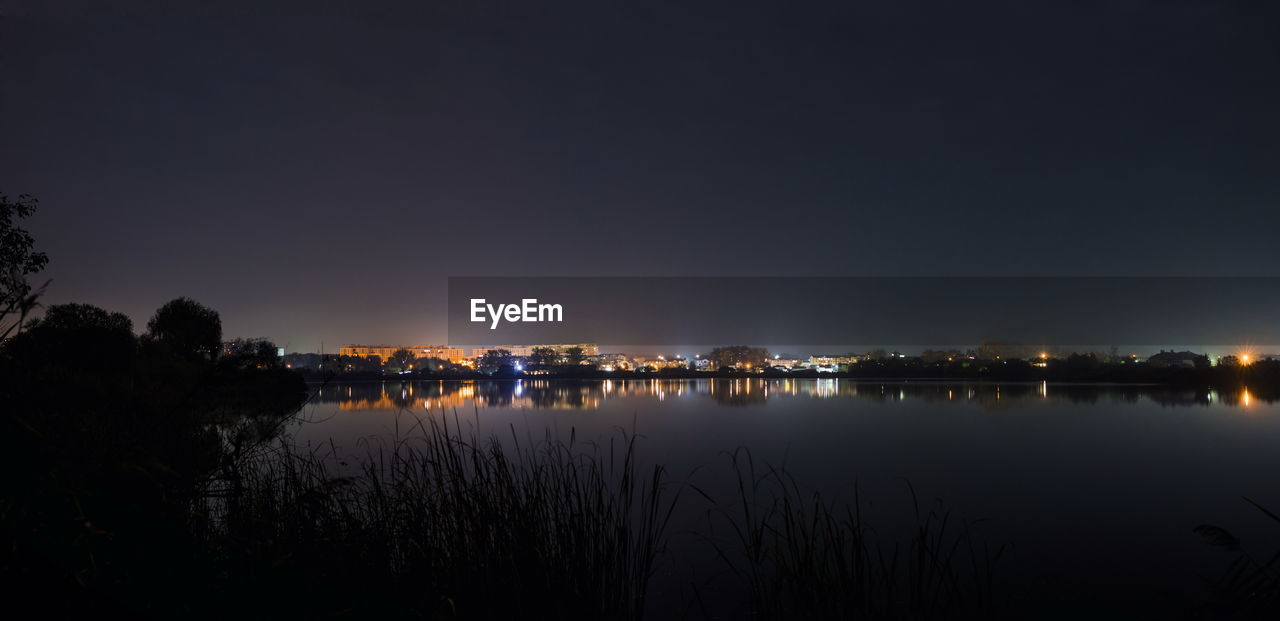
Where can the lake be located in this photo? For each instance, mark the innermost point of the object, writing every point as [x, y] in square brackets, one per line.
[1094, 489]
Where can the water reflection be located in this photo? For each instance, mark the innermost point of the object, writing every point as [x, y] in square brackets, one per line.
[587, 395]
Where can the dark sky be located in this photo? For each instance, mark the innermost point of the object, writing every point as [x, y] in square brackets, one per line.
[318, 173]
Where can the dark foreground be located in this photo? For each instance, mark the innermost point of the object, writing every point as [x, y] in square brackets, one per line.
[167, 488]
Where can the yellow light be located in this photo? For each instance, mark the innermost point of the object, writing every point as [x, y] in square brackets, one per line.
[1245, 355]
[1043, 355]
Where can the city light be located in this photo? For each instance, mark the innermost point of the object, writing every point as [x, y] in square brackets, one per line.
[1246, 355]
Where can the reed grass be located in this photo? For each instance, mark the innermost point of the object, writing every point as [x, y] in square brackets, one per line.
[1250, 586]
[803, 556]
[447, 524]
[441, 523]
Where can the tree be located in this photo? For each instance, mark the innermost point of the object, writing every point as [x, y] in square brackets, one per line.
[17, 261]
[353, 364]
[574, 355]
[739, 356]
[188, 328]
[494, 359]
[67, 332]
[85, 316]
[542, 356]
[430, 363]
[400, 359]
[940, 355]
[258, 352]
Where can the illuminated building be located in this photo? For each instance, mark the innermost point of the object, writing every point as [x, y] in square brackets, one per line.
[660, 362]
[524, 351]
[834, 362]
[451, 354]
[611, 362]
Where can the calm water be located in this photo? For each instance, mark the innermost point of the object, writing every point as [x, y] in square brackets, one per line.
[1097, 488]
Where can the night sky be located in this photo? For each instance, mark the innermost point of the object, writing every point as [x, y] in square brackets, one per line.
[317, 174]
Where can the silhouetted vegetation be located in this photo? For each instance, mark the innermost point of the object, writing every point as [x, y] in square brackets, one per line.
[739, 356]
[805, 557]
[496, 361]
[108, 440]
[445, 525]
[145, 475]
[1250, 586]
[109, 477]
[542, 357]
[18, 259]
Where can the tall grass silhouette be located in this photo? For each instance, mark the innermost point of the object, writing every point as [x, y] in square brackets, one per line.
[444, 523]
[805, 557]
[450, 524]
[1250, 586]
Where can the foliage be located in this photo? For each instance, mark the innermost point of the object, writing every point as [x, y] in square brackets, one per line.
[399, 360]
[101, 485]
[804, 557]
[258, 353]
[445, 524]
[431, 364]
[495, 360]
[739, 356]
[542, 356]
[17, 261]
[188, 328]
[1250, 586]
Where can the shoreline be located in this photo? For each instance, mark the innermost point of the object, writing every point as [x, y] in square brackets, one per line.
[1262, 377]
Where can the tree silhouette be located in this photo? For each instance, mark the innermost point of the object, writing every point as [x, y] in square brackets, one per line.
[739, 356]
[542, 356]
[17, 261]
[257, 352]
[494, 359]
[188, 328]
[430, 363]
[81, 316]
[55, 345]
[574, 355]
[400, 359]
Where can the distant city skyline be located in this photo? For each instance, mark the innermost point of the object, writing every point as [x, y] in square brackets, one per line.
[806, 351]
